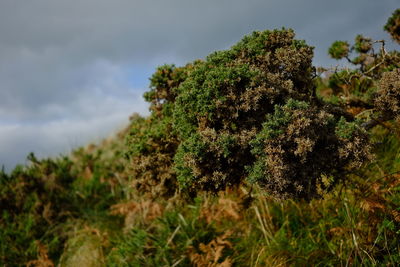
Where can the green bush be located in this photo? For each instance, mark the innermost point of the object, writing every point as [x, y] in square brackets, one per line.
[152, 146]
[32, 200]
[223, 102]
[227, 99]
[152, 141]
[393, 25]
[355, 88]
[303, 151]
[362, 44]
[38, 201]
[339, 50]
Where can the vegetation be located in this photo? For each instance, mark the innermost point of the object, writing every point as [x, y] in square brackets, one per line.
[393, 25]
[248, 158]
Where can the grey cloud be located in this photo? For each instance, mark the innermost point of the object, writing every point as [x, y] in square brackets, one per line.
[144, 30]
[54, 137]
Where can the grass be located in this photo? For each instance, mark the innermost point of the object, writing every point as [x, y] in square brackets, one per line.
[81, 210]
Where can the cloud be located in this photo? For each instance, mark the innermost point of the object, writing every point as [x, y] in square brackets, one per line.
[55, 137]
[71, 64]
[100, 110]
[96, 104]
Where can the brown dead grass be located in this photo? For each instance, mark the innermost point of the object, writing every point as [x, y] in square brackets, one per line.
[211, 254]
[224, 209]
[144, 211]
[43, 258]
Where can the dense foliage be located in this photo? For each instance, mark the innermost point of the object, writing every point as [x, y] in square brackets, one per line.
[387, 99]
[212, 114]
[393, 25]
[302, 151]
[304, 169]
[225, 99]
[152, 142]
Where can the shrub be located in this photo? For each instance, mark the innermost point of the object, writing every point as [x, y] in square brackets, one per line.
[32, 201]
[162, 86]
[152, 142]
[393, 25]
[356, 88]
[362, 44]
[151, 150]
[339, 50]
[225, 103]
[388, 95]
[38, 202]
[303, 150]
[368, 61]
[222, 104]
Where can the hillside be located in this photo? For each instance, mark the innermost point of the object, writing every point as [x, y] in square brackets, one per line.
[250, 157]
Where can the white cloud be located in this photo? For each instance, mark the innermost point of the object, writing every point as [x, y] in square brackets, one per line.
[103, 116]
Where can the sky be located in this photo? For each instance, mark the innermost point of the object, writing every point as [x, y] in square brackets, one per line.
[72, 72]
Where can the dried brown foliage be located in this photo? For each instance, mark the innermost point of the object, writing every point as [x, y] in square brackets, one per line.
[145, 211]
[375, 198]
[224, 209]
[43, 258]
[211, 254]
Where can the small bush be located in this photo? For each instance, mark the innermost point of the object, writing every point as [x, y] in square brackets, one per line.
[362, 44]
[339, 50]
[152, 147]
[152, 142]
[393, 25]
[388, 95]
